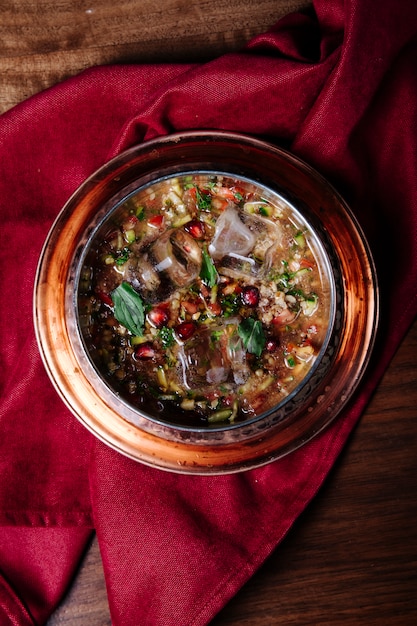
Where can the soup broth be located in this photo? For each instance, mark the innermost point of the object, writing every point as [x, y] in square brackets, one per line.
[204, 299]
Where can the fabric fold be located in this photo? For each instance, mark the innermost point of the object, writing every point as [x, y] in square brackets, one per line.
[37, 567]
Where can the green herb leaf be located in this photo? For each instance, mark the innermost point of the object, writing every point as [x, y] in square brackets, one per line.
[208, 271]
[252, 335]
[128, 308]
[123, 256]
[203, 200]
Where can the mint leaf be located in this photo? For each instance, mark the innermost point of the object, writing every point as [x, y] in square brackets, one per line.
[208, 271]
[128, 308]
[252, 335]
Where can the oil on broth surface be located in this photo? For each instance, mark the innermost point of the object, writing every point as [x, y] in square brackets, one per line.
[204, 299]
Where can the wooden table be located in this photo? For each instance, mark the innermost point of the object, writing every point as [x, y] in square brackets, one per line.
[352, 556]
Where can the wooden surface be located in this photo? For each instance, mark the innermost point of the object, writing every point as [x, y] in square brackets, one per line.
[352, 556]
[44, 41]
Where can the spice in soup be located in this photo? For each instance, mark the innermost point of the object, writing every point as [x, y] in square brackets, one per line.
[203, 300]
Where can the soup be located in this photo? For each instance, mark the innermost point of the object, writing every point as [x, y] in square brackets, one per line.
[204, 299]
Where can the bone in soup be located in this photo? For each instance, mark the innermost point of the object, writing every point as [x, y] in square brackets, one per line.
[204, 299]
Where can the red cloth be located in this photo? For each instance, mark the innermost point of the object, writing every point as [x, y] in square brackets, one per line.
[339, 88]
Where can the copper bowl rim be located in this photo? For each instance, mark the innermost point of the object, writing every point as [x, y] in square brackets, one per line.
[70, 374]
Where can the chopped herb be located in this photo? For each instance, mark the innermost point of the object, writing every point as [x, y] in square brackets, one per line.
[166, 335]
[297, 293]
[122, 257]
[208, 271]
[290, 361]
[231, 304]
[128, 308]
[252, 335]
[203, 200]
[283, 282]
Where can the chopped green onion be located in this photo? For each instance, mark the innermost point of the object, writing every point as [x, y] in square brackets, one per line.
[220, 416]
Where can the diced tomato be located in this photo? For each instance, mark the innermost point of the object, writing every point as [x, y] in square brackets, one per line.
[220, 204]
[225, 192]
[156, 221]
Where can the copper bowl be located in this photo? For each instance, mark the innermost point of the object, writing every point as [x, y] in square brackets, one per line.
[317, 400]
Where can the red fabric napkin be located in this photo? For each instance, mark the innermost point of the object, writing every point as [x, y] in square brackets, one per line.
[338, 86]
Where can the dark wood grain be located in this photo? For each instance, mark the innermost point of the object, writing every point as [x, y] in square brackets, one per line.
[352, 556]
[43, 42]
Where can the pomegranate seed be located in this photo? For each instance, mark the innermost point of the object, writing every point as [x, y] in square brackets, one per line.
[272, 345]
[158, 316]
[250, 295]
[185, 330]
[195, 228]
[145, 351]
